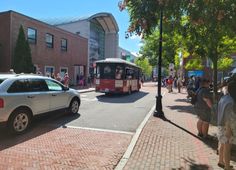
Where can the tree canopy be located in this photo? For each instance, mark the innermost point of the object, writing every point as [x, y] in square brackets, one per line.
[144, 64]
[207, 26]
[151, 45]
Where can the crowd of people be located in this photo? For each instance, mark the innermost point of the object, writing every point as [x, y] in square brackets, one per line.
[204, 107]
[63, 79]
[224, 106]
[174, 82]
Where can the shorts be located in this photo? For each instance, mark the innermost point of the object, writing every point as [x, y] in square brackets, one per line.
[233, 129]
[221, 135]
[203, 115]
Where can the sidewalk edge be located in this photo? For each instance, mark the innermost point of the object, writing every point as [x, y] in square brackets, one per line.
[134, 140]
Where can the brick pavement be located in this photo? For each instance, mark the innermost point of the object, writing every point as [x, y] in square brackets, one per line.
[47, 147]
[173, 144]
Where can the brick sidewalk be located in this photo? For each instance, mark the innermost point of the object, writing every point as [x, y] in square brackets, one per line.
[173, 144]
[47, 147]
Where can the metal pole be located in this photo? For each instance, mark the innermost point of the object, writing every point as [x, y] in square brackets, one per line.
[158, 112]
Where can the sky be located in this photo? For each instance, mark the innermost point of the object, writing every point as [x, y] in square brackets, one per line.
[49, 9]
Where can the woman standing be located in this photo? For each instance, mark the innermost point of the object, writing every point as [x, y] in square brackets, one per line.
[66, 80]
[230, 125]
[203, 107]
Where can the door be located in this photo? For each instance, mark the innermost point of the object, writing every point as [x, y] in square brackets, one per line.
[58, 97]
[32, 93]
[39, 95]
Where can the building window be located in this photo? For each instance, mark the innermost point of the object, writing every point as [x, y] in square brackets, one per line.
[49, 70]
[32, 35]
[49, 40]
[63, 70]
[63, 44]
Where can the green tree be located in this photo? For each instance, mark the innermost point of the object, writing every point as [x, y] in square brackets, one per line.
[211, 30]
[22, 61]
[225, 63]
[209, 24]
[150, 48]
[194, 64]
[144, 64]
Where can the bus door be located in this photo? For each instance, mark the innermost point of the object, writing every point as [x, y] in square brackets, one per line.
[119, 76]
[128, 79]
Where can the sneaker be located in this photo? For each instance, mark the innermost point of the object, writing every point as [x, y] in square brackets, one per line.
[200, 135]
[221, 165]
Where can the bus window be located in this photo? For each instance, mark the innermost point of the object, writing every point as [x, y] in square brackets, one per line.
[129, 73]
[98, 72]
[119, 72]
[108, 72]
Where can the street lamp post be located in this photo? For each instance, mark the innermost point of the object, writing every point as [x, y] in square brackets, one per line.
[158, 111]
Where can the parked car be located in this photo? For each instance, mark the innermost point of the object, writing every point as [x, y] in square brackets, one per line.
[24, 96]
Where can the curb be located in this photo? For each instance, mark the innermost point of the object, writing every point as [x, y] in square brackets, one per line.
[134, 140]
[86, 90]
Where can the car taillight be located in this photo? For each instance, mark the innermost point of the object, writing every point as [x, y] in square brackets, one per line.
[1, 103]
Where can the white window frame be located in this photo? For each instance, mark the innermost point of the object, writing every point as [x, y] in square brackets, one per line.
[66, 68]
[45, 69]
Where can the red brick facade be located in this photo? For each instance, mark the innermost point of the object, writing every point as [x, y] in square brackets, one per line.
[42, 56]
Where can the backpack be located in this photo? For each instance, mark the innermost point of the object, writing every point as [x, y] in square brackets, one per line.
[194, 97]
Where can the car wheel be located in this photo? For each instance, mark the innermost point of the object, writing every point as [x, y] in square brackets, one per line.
[19, 121]
[74, 106]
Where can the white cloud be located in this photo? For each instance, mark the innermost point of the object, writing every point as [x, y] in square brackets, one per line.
[135, 37]
[140, 44]
[136, 54]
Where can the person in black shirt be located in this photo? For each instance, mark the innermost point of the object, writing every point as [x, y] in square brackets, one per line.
[203, 107]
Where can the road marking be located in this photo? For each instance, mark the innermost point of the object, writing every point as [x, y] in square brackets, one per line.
[164, 93]
[96, 129]
[89, 100]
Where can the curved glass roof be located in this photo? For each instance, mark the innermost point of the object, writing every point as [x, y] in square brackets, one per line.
[106, 20]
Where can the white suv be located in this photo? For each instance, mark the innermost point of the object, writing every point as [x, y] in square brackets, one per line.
[24, 96]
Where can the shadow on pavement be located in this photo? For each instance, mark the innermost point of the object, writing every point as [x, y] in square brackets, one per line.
[182, 100]
[192, 134]
[40, 125]
[184, 109]
[211, 141]
[121, 98]
[194, 166]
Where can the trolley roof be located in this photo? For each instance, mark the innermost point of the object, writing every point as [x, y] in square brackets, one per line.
[116, 60]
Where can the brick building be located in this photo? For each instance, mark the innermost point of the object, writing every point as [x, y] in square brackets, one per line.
[101, 30]
[52, 49]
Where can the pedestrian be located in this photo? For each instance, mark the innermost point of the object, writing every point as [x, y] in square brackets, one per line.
[66, 80]
[170, 84]
[203, 107]
[191, 86]
[142, 81]
[53, 75]
[230, 125]
[179, 84]
[58, 77]
[222, 115]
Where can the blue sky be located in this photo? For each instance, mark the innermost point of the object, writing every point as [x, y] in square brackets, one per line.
[43, 9]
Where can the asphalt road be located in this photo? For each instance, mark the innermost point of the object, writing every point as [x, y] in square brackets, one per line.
[110, 112]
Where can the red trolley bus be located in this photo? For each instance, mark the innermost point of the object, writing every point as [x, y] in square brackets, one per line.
[114, 75]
